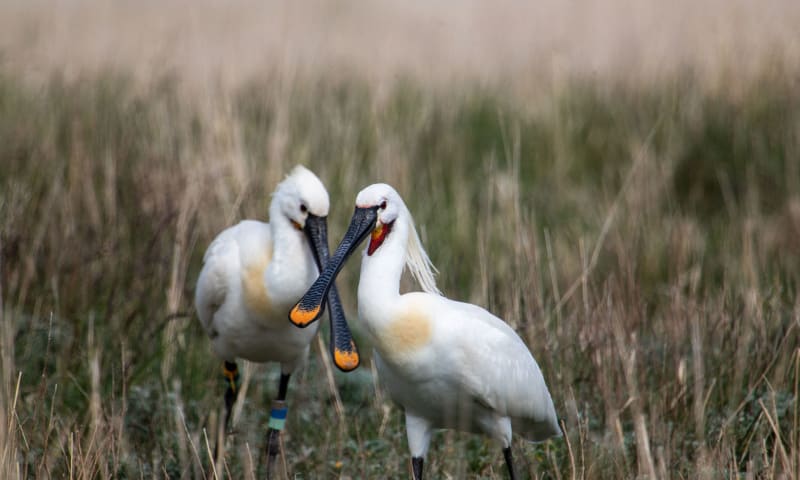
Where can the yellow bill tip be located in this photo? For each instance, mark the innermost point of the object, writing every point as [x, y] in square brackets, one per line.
[301, 317]
[346, 361]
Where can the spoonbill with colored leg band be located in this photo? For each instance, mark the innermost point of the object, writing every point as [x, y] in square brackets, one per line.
[253, 273]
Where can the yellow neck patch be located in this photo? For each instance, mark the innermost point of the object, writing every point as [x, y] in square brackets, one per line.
[255, 292]
[409, 331]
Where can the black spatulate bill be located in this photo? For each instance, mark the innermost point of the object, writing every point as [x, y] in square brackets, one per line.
[342, 347]
[311, 306]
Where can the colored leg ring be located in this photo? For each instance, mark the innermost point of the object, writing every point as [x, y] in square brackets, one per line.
[277, 416]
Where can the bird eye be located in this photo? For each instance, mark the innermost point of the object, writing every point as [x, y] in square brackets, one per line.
[303, 208]
[383, 205]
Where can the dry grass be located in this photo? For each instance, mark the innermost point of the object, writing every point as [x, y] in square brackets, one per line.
[638, 226]
[526, 46]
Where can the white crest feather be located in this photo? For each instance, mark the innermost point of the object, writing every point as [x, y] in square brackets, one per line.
[418, 262]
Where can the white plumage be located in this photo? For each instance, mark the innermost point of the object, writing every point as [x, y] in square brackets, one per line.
[448, 364]
[252, 274]
[473, 363]
[243, 294]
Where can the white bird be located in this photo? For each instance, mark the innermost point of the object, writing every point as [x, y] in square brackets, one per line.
[253, 273]
[447, 364]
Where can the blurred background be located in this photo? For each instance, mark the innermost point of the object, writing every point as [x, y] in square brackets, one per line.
[619, 180]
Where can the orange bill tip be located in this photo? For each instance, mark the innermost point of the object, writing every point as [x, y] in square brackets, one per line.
[301, 317]
[346, 361]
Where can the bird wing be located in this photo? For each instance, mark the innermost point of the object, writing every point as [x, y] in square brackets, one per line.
[220, 263]
[499, 371]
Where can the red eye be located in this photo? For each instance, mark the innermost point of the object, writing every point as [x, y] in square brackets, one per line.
[383, 205]
[303, 208]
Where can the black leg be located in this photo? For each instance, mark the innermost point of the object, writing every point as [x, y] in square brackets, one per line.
[283, 386]
[416, 466]
[509, 462]
[231, 372]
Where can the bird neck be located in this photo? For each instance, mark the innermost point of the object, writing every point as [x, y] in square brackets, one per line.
[379, 283]
[292, 268]
[287, 240]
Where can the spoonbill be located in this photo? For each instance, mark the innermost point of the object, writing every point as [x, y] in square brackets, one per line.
[253, 273]
[448, 364]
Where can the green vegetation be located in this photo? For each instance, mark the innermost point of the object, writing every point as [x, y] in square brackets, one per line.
[644, 241]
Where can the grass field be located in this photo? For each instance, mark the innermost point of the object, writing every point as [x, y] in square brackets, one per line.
[642, 234]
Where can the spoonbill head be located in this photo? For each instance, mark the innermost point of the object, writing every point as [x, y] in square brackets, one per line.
[253, 273]
[448, 364]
